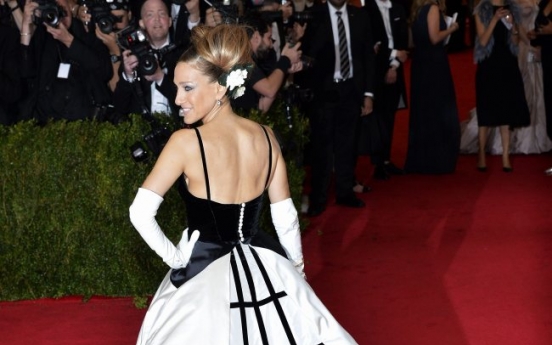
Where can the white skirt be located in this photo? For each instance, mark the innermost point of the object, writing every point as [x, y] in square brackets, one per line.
[249, 296]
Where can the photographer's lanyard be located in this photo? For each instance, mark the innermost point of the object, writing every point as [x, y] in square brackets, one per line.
[63, 70]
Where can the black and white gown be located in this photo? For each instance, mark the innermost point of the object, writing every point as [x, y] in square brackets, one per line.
[238, 288]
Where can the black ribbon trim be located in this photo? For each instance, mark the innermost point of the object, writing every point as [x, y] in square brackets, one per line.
[240, 297]
[249, 277]
[258, 303]
[272, 292]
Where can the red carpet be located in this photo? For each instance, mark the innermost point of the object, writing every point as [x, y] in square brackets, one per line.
[463, 259]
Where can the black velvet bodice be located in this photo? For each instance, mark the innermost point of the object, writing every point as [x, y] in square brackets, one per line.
[218, 222]
[219, 226]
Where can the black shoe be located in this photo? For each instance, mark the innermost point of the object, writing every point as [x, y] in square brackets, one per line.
[507, 169]
[392, 169]
[482, 169]
[350, 202]
[380, 173]
[360, 188]
[315, 210]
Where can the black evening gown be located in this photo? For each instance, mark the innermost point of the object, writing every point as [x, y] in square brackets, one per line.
[499, 91]
[434, 129]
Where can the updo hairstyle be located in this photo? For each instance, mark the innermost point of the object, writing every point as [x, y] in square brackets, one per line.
[216, 50]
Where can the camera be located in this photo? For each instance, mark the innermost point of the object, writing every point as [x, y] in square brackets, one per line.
[100, 12]
[155, 140]
[307, 61]
[302, 17]
[229, 13]
[296, 17]
[292, 95]
[135, 40]
[49, 12]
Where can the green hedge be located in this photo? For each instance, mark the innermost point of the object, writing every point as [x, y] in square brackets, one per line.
[65, 189]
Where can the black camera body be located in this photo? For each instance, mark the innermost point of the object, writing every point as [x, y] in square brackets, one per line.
[295, 95]
[135, 40]
[48, 12]
[302, 17]
[297, 17]
[229, 13]
[100, 12]
[155, 140]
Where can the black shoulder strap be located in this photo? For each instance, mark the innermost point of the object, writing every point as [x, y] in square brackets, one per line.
[207, 186]
[269, 156]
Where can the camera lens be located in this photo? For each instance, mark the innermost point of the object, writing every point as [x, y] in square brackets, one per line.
[50, 17]
[148, 64]
[105, 25]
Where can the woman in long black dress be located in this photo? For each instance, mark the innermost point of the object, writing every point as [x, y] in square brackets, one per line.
[542, 37]
[499, 92]
[434, 133]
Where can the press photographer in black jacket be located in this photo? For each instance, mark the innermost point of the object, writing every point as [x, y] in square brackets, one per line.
[56, 61]
[146, 86]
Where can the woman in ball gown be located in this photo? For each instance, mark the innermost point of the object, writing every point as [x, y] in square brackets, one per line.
[533, 138]
[500, 95]
[434, 129]
[229, 282]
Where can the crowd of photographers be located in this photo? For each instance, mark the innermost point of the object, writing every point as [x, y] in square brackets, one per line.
[106, 59]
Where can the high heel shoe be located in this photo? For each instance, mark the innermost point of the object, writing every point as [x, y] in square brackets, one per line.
[507, 169]
[482, 169]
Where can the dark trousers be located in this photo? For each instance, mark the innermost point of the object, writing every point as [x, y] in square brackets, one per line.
[334, 121]
[385, 107]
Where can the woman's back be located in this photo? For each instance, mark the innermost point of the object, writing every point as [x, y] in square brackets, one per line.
[237, 160]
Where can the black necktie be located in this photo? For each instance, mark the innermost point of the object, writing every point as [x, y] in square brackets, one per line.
[343, 50]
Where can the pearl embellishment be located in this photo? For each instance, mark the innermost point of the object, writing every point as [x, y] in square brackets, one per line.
[240, 222]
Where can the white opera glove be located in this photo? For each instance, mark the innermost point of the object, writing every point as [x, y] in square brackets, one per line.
[286, 222]
[142, 215]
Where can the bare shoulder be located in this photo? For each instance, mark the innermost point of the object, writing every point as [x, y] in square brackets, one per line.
[183, 139]
[273, 138]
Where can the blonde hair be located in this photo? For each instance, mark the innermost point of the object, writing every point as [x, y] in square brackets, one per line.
[216, 50]
[418, 4]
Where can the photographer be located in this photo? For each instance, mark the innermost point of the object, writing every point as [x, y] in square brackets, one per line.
[277, 14]
[146, 85]
[106, 19]
[10, 81]
[263, 85]
[185, 14]
[56, 62]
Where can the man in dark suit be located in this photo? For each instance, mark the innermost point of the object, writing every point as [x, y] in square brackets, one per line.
[185, 16]
[342, 80]
[390, 32]
[153, 92]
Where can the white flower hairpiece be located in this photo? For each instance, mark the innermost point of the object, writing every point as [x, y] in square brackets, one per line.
[235, 79]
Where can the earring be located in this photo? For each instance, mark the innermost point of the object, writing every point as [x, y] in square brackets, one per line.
[219, 102]
[181, 112]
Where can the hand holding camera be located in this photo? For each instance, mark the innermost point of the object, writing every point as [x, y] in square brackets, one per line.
[292, 52]
[60, 33]
[130, 63]
[502, 12]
